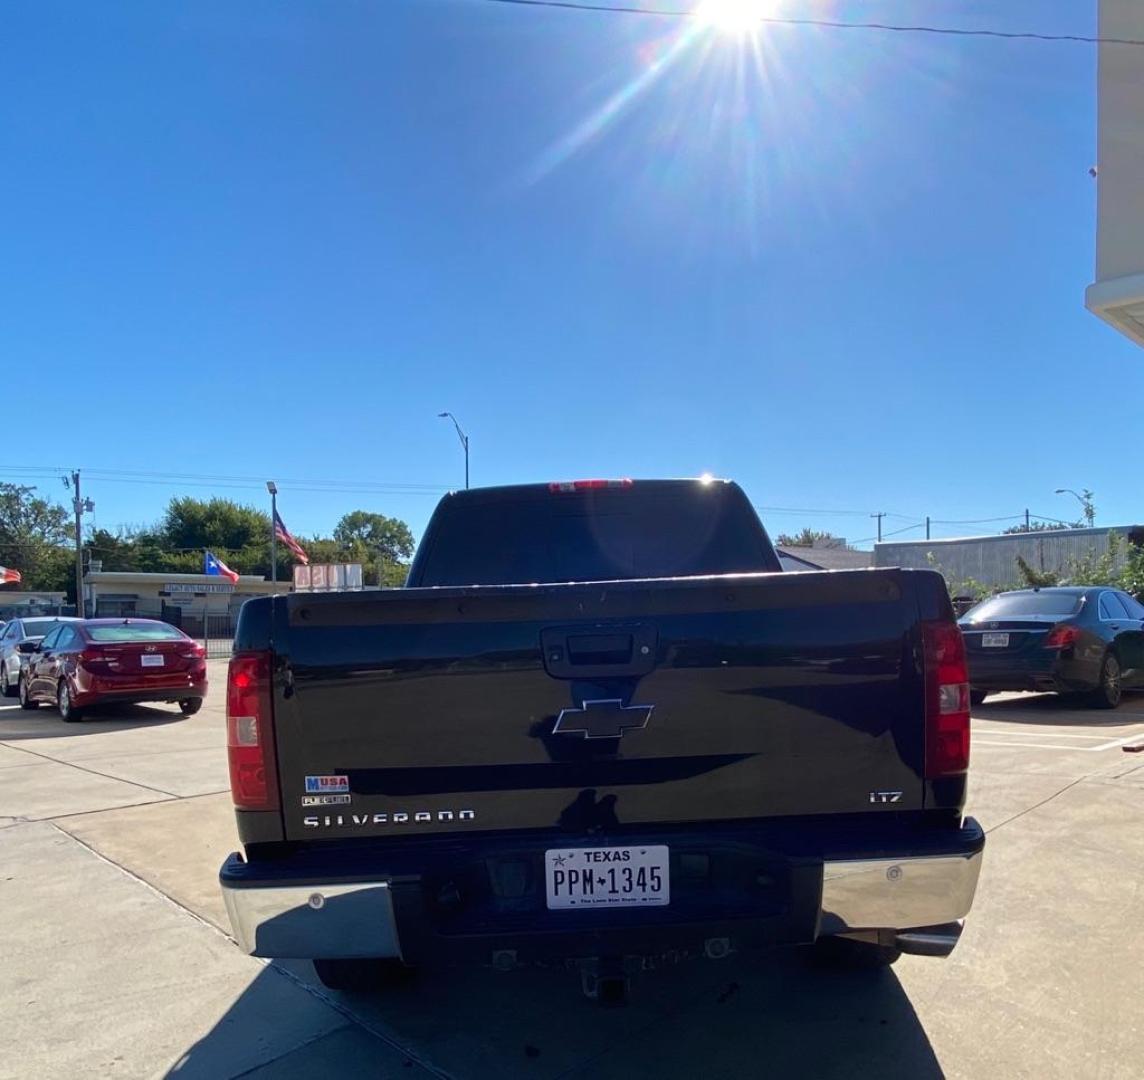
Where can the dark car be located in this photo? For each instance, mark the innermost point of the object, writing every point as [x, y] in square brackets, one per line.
[102, 661]
[1066, 640]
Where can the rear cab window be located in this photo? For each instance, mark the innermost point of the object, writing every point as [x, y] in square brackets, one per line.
[1014, 605]
[651, 529]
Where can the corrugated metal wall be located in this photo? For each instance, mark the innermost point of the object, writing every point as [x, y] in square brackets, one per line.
[992, 560]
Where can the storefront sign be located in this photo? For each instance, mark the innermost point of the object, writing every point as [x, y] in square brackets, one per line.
[213, 587]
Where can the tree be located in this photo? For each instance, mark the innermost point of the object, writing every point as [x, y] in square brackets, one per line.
[1089, 507]
[213, 523]
[33, 538]
[239, 535]
[811, 538]
[379, 542]
[1043, 526]
[1132, 576]
[1036, 579]
[115, 551]
[375, 536]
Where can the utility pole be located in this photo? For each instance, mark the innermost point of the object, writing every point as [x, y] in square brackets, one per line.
[927, 527]
[879, 516]
[80, 506]
[273, 489]
[1026, 519]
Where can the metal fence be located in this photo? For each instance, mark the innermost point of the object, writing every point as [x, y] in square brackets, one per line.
[992, 560]
[218, 636]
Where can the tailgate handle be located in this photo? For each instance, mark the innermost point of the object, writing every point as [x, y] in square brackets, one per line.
[598, 649]
[575, 652]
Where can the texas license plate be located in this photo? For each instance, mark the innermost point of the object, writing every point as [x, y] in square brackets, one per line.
[152, 659]
[607, 877]
[995, 641]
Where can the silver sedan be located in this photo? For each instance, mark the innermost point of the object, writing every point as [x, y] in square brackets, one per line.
[11, 660]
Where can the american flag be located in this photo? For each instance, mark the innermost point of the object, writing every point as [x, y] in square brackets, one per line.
[284, 536]
[9, 577]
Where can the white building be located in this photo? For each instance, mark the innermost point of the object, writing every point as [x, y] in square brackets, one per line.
[1117, 295]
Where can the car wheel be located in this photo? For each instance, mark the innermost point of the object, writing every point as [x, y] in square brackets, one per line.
[1108, 693]
[25, 701]
[68, 712]
[5, 686]
[977, 697]
[846, 954]
[362, 974]
[190, 706]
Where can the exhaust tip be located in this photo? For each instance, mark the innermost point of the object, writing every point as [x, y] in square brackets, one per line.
[929, 940]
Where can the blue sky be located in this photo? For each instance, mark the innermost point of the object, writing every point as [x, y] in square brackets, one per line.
[277, 238]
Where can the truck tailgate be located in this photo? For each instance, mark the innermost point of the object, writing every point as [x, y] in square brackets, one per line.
[585, 706]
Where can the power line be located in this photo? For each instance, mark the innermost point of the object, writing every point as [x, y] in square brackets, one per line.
[832, 24]
[978, 521]
[813, 510]
[908, 528]
[310, 484]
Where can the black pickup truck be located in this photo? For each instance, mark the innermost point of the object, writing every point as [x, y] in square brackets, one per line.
[599, 727]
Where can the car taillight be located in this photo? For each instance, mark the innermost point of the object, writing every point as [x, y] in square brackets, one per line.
[250, 732]
[947, 699]
[587, 485]
[1061, 636]
[95, 660]
[192, 650]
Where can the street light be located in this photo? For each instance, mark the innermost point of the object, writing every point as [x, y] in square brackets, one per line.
[1086, 503]
[273, 489]
[464, 441]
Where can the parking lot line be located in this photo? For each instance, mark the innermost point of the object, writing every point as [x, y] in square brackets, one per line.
[1040, 734]
[1111, 744]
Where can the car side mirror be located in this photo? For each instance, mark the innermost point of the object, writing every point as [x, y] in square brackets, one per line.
[28, 647]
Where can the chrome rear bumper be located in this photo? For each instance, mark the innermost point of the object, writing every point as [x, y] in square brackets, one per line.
[915, 903]
[870, 894]
[308, 921]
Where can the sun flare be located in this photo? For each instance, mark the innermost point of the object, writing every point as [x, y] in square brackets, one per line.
[734, 16]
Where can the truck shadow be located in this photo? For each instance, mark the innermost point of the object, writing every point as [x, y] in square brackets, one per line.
[746, 1016]
[44, 723]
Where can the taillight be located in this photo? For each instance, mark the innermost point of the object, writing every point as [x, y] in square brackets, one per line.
[192, 650]
[588, 485]
[95, 660]
[250, 732]
[947, 699]
[1062, 636]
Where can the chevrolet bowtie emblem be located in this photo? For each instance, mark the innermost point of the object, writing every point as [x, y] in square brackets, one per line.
[602, 719]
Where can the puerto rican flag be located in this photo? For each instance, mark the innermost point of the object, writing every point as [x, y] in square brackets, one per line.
[214, 566]
[284, 536]
[9, 577]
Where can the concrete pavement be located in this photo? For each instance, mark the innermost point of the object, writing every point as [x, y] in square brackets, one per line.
[117, 962]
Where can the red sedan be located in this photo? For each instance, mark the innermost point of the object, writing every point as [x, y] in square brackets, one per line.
[103, 661]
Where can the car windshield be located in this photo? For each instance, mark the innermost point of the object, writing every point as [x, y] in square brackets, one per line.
[35, 629]
[1013, 605]
[134, 632]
